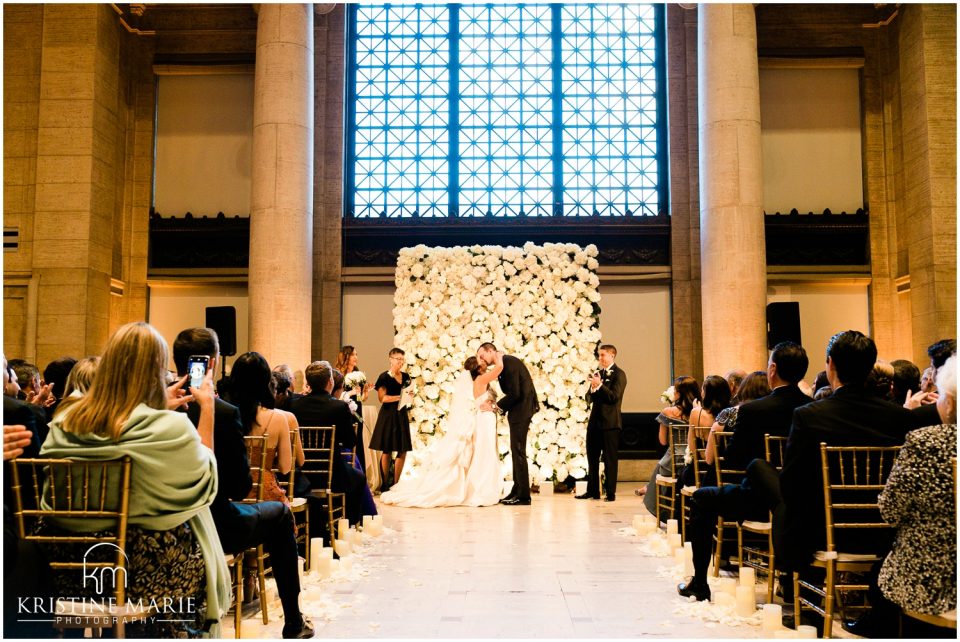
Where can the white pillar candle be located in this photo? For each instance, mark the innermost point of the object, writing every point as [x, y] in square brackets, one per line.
[746, 601]
[673, 541]
[346, 564]
[688, 558]
[316, 550]
[723, 599]
[678, 556]
[334, 566]
[320, 567]
[772, 618]
[786, 634]
[367, 521]
[546, 487]
[300, 564]
[728, 585]
[672, 527]
[343, 548]
[806, 631]
[748, 576]
[343, 526]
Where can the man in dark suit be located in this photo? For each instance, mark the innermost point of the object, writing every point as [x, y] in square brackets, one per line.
[319, 408]
[519, 403]
[851, 416]
[768, 415]
[242, 526]
[603, 428]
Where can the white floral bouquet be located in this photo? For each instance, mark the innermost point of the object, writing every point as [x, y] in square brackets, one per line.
[669, 395]
[355, 379]
[538, 303]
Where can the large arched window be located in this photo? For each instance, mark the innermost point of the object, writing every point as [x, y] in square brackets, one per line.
[483, 110]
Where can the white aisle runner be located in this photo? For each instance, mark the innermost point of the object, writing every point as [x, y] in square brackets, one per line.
[556, 569]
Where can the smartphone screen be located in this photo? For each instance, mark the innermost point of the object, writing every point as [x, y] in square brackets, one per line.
[197, 369]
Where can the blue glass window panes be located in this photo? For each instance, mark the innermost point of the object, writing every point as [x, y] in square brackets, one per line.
[468, 110]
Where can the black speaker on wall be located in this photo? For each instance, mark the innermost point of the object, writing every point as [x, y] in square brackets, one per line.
[223, 321]
[783, 323]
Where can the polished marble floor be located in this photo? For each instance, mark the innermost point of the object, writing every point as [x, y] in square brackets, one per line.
[555, 569]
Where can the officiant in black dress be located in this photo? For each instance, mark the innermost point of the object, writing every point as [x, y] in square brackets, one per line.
[603, 429]
[519, 403]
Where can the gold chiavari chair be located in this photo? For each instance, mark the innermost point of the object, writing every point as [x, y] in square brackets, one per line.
[853, 478]
[666, 485]
[80, 490]
[298, 505]
[257, 454]
[759, 555]
[700, 468]
[319, 450]
[725, 476]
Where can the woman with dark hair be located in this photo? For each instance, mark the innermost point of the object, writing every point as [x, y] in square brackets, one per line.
[463, 467]
[251, 385]
[347, 365]
[754, 386]
[716, 398]
[686, 395]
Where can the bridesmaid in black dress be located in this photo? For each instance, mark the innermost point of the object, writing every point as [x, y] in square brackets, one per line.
[392, 432]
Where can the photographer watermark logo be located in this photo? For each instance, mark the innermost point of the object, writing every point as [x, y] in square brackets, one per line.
[98, 575]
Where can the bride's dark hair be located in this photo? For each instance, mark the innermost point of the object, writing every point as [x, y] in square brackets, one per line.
[472, 365]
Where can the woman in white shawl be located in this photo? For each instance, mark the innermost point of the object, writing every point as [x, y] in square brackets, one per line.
[463, 467]
[172, 544]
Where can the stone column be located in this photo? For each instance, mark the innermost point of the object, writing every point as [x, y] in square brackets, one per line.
[281, 216]
[732, 252]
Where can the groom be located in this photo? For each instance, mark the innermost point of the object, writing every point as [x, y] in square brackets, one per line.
[519, 403]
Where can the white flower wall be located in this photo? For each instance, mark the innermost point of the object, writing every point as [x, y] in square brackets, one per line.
[538, 303]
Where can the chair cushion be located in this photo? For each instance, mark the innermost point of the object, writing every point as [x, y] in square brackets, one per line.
[298, 502]
[758, 527]
[666, 480]
[688, 490]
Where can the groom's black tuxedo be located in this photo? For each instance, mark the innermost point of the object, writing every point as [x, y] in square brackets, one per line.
[603, 430]
[519, 402]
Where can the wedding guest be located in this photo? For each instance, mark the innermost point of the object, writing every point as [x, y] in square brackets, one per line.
[55, 375]
[770, 414]
[392, 432]
[347, 364]
[822, 393]
[369, 506]
[939, 352]
[28, 377]
[81, 377]
[754, 386]
[927, 381]
[820, 380]
[35, 404]
[715, 395]
[603, 428]
[906, 379]
[687, 392]
[172, 546]
[920, 572]
[734, 379]
[240, 525]
[284, 393]
[880, 380]
[250, 380]
[319, 408]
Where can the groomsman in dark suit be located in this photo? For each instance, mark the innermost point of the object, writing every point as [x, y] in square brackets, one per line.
[519, 403]
[603, 429]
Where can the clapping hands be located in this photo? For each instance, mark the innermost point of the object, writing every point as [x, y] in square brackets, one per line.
[15, 439]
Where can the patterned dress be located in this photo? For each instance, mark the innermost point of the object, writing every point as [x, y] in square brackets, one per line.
[920, 573]
[162, 564]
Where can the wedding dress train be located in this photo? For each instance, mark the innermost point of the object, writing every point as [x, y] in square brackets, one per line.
[463, 467]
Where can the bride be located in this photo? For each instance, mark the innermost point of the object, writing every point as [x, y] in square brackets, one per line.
[463, 467]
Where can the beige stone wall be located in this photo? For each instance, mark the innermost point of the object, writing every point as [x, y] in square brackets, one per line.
[67, 119]
[328, 181]
[928, 102]
[684, 191]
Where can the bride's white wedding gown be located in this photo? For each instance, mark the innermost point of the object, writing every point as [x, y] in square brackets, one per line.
[463, 467]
